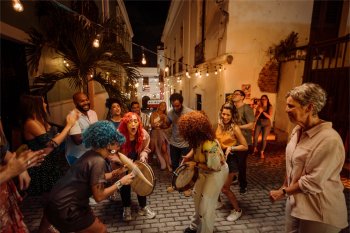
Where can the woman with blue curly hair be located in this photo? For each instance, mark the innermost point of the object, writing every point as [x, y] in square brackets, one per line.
[68, 207]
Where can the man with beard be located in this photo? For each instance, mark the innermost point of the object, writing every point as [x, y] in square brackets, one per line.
[74, 147]
[178, 145]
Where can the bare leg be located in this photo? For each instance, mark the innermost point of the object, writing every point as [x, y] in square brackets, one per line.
[227, 191]
[164, 152]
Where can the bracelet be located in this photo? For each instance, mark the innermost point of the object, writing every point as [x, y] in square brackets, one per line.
[119, 184]
[52, 144]
[232, 148]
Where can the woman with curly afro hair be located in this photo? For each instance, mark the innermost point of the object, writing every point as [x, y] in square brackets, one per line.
[68, 207]
[136, 147]
[207, 155]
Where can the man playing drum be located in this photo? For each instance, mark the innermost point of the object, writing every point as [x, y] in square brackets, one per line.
[136, 147]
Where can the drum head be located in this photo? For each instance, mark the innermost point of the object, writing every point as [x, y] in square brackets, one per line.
[184, 177]
[139, 186]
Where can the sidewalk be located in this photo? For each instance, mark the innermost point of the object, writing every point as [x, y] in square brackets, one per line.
[174, 210]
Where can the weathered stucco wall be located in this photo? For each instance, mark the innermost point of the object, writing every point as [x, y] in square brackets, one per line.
[291, 76]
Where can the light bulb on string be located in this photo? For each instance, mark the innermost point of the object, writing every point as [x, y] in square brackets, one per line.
[220, 68]
[216, 71]
[207, 74]
[96, 42]
[143, 60]
[17, 5]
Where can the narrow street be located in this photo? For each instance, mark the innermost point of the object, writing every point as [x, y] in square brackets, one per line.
[174, 209]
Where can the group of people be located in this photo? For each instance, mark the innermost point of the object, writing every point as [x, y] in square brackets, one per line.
[314, 158]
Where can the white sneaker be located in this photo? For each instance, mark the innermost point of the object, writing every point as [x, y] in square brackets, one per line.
[219, 205]
[127, 214]
[92, 201]
[234, 215]
[147, 211]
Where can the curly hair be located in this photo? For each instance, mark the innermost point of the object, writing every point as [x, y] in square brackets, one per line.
[123, 128]
[100, 134]
[196, 128]
[235, 117]
[109, 103]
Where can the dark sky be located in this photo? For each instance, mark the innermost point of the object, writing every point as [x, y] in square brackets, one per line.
[147, 20]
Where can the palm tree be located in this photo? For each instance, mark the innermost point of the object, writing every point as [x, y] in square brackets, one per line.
[71, 35]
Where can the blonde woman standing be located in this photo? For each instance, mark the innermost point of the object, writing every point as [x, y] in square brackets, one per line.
[231, 139]
[159, 140]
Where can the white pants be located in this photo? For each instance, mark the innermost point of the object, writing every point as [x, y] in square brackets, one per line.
[206, 192]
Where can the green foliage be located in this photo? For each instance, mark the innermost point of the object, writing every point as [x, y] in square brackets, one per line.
[286, 48]
[70, 36]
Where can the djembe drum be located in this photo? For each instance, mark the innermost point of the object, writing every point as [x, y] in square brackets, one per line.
[139, 186]
[184, 177]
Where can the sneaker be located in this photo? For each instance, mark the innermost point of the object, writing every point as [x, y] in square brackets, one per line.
[147, 211]
[189, 230]
[234, 215]
[243, 191]
[219, 205]
[127, 214]
[92, 201]
[188, 193]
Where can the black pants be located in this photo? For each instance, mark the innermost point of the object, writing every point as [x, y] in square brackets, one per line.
[242, 167]
[176, 154]
[125, 194]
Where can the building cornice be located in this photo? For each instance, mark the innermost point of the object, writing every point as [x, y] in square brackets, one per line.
[173, 13]
[126, 17]
[13, 33]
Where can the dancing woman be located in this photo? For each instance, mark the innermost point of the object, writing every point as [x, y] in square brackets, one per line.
[159, 140]
[213, 170]
[39, 134]
[68, 207]
[231, 139]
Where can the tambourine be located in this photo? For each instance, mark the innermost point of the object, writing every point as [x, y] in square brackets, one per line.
[184, 177]
[139, 185]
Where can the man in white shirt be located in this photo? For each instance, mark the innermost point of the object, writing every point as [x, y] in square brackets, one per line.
[74, 147]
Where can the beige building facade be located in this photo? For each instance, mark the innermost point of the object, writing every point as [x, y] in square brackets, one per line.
[224, 45]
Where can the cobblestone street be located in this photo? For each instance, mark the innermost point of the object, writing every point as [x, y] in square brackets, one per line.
[174, 209]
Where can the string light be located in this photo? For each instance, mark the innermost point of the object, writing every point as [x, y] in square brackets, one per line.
[166, 69]
[97, 41]
[143, 61]
[17, 5]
